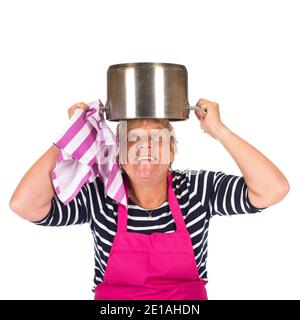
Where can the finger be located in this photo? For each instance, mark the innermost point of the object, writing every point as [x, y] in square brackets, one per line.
[71, 110]
[201, 101]
[80, 105]
[199, 115]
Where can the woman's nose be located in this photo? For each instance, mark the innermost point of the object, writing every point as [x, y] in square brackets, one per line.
[144, 143]
[144, 146]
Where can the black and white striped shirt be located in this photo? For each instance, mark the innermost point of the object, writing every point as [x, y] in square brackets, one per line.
[201, 195]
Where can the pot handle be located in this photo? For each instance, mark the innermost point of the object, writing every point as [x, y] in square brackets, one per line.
[198, 108]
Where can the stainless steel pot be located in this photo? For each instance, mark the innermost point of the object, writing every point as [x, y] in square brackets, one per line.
[147, 90]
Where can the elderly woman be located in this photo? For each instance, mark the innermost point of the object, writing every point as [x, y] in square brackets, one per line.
[157, 248]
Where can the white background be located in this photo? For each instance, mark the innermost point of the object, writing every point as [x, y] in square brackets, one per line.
[242, 54]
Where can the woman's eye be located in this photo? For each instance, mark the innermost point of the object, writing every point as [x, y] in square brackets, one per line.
[132, 138]
[155, 137]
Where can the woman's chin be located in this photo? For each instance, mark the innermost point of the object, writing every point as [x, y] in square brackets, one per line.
[146, 171]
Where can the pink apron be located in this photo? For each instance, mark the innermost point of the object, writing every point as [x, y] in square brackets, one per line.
[159, 266]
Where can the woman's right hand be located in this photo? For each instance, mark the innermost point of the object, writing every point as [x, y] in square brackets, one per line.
[80, 105]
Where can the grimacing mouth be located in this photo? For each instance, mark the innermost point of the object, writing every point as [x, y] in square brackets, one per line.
[146, 157]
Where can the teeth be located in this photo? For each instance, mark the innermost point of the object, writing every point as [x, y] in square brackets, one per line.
[146, 158]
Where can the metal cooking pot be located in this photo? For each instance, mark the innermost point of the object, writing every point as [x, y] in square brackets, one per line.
[147, 90]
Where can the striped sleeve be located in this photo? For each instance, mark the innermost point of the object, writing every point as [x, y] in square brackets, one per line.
[75, 212]
[229, 196]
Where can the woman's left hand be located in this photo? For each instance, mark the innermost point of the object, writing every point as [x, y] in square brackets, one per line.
[266, 183]
[211, 122]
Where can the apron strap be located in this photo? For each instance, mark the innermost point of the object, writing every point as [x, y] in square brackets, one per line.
[173, 205]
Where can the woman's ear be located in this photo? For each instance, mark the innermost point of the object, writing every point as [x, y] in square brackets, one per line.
[172, 156]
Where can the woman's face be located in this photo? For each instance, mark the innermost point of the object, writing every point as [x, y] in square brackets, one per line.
[148, 153]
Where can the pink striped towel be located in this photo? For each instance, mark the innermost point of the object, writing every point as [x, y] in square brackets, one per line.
[88, 149]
